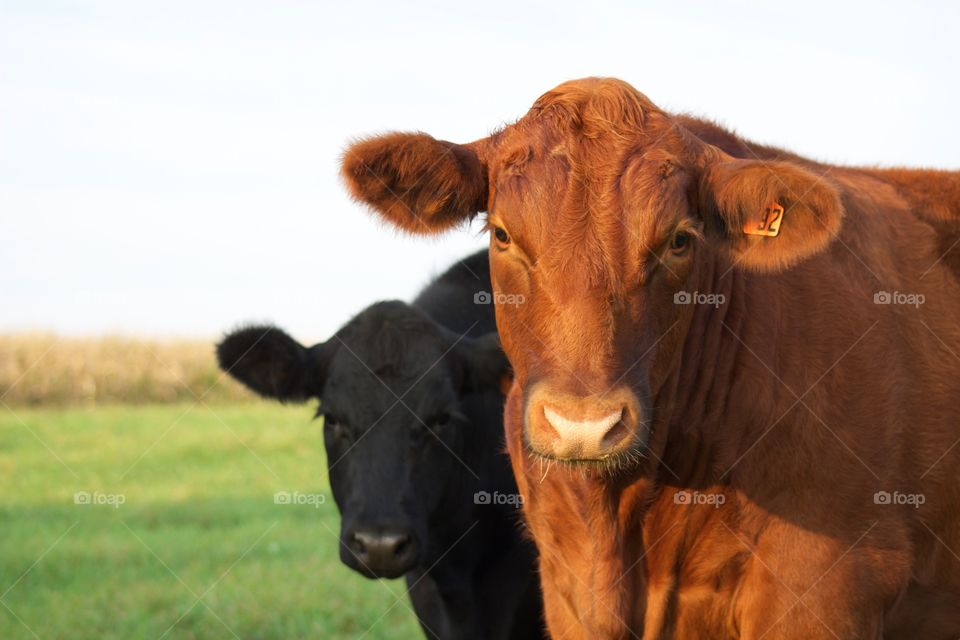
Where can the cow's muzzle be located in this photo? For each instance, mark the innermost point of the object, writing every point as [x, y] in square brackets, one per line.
[582, 428]
[379, 553]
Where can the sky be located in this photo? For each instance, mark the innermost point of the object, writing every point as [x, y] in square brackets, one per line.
[170, 168]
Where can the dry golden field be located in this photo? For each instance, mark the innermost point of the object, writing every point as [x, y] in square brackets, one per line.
[46, 369]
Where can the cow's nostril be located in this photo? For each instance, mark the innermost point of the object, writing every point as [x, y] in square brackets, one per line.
[402, 546]
[356, 543]
[614, 435]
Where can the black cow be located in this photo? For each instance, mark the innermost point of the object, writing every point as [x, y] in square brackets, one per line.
[413, 428]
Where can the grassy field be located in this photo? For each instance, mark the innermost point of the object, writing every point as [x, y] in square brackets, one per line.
[197, 549]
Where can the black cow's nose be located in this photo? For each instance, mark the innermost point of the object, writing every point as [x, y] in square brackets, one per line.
[384, 554]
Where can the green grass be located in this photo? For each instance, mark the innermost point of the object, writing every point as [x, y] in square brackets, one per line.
[198, 549]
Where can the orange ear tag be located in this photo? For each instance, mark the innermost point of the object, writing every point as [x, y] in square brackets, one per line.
[768, 225]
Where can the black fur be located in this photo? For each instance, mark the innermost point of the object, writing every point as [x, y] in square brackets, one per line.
[413, 416]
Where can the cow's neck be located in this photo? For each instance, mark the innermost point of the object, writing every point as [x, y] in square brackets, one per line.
[697, 395]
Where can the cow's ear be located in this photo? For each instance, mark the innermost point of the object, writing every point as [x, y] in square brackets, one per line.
[415, 182]
[482, 363]
[769, 215]
[273, 364]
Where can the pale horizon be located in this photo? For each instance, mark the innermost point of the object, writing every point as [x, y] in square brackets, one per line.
[171, 170]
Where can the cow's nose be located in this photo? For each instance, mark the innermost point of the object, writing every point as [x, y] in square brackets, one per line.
[572, 427]
[382, 554]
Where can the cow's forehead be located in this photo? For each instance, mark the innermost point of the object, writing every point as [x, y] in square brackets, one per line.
[388, 346]
[573, 148]
[365, 385]
[391, 356]
[595, 107]
[592, 121]
[594, 203]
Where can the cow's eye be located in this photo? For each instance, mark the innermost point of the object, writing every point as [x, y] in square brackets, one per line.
[334, 428]
[441, 419]
[502, 237]
[680, 242]
[420, 430]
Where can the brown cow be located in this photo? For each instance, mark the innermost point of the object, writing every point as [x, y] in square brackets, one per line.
[735, 412]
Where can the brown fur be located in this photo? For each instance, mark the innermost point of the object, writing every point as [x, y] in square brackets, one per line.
[796, 400]
[387, 171]
[741, 189]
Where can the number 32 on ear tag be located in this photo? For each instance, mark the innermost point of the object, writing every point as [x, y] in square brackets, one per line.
[768, 224]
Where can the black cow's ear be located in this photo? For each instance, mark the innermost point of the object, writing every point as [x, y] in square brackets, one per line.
[273, 364]
[482, 362]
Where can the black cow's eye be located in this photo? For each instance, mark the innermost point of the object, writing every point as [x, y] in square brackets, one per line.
[680, 242]
[441, 419]
[501, 236]
[334, 428]
[419, 430]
